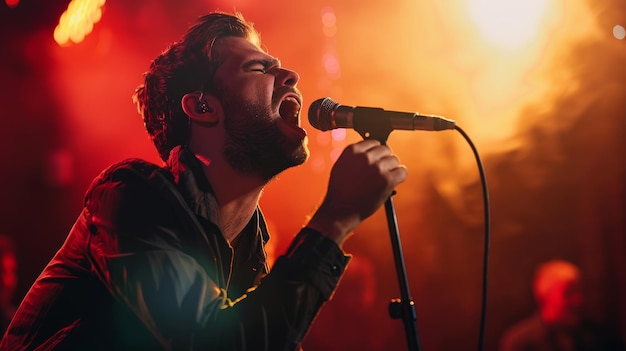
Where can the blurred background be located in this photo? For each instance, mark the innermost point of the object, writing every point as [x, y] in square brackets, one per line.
[538, 85]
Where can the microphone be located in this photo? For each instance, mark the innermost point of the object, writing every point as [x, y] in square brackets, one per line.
[326, 114]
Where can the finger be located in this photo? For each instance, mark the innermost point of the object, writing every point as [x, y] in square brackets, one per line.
[378, 153]
[398, 174]
[365, 145]
[389, 162]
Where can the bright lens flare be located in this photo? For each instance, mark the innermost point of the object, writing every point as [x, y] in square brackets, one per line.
[619, 32]
[78, 20]
[507, 23]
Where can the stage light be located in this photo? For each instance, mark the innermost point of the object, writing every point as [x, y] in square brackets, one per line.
[77, 21]
[619, 32]
[12, 3]
[507, 23]
[338, 134]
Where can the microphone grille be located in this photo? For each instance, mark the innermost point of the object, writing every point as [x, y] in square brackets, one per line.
[321, 113]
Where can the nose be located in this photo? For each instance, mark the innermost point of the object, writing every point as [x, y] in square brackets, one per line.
[287, 77]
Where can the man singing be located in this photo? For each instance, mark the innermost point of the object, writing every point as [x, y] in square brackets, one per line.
[172, 257]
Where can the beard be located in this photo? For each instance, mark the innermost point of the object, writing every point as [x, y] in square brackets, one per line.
[254, 143]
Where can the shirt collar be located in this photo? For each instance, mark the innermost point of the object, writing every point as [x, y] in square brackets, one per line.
[196, 189]
[192, 183]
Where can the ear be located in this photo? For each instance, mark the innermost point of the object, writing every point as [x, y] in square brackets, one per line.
[203, 109]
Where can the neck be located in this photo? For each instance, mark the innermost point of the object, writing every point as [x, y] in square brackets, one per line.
[237, 195]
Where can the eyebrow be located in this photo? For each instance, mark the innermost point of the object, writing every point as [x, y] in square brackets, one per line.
[265, 62]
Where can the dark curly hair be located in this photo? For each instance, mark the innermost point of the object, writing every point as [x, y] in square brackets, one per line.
[188, 65]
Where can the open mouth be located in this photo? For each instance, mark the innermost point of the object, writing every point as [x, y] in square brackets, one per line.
[289, 110]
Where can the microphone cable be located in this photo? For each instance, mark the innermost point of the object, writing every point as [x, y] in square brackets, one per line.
[485, 270]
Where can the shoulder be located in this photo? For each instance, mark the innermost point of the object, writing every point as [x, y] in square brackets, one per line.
[128, 168]
[134, 178]
[128, 171]
[521, 334]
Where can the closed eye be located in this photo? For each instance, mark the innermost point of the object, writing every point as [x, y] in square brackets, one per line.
[262, 66]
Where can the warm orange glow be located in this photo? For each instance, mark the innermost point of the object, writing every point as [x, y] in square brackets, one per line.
[541, 94]
[331, 64]
[493, 57]
[335, 153]
[507, 23]
[78, 20]
[328, 17]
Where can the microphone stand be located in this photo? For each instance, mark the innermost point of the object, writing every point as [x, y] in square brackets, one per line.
[371, 127]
